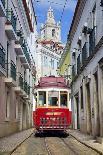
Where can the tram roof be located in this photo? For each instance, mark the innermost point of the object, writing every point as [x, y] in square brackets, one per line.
[52, 81]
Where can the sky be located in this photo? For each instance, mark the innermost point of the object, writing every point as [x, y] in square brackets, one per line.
[42, 6]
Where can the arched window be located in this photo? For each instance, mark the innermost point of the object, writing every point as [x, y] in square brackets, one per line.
[53, 32]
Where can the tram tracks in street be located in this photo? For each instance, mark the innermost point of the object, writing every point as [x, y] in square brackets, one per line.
[47, 147]
[56, 144]
[69, 146]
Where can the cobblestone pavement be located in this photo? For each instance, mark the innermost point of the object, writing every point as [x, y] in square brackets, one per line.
[37, 145]
[56, 145]
[8, 144]
[87, 140]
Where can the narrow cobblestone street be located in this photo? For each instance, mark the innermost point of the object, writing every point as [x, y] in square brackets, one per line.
[53, 145]
[26, 143]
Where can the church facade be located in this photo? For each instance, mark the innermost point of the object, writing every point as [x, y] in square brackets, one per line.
[49, 47]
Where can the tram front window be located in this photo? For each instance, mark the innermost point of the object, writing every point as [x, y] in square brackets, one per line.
[63, 99]
[53, 98]
[42, 98]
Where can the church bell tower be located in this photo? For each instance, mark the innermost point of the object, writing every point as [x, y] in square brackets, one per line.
[51, 30]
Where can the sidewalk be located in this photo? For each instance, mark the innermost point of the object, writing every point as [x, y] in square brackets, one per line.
[87, 140]
[8, 144]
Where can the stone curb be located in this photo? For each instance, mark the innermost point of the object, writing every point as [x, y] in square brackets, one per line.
[101, 153]
[20, 144]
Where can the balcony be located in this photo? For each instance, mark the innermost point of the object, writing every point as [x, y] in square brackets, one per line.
[25, 58]
[26, 52]
[2, 60]
[10, 26]
[92, 38]
[27, 90]
[2, 8]
[19, 88]
[84, 54]
[10, 80]
[18, 48]
[22, 89]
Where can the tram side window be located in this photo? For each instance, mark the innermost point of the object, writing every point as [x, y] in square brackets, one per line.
[63, 99]
[42, 98]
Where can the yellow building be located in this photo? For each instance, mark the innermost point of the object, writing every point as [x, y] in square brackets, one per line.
[64, 64]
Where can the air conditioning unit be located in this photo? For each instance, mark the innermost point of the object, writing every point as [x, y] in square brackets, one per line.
[85, 28]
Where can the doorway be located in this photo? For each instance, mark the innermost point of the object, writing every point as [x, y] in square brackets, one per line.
[77, 108]
[96, 104]
[89, 121]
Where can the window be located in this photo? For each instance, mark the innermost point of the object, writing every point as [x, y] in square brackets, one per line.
[7, 104]
[42, 98]
[44, 33]
[16, 109]
[81, 91]
[52, 64]
[63, 99]
[53, 98]
[94, 16]
[57, 64]
[53, 32]
[45, 61]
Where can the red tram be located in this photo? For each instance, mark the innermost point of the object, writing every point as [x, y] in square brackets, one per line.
[52, 105]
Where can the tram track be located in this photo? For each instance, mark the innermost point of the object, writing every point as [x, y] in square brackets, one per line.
[69, 146]
[47, 147]
[58, 140]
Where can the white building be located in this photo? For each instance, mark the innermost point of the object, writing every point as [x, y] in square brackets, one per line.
[86, 37]
[17, 66]
[49, 47]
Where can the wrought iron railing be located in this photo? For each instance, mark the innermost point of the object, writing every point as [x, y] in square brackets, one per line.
[2, 56]
[24, 85]
[26, 52]
[92, 38]
[13, 70]
[78, 64]
[84, 53]
[25, 49]
[11, 17]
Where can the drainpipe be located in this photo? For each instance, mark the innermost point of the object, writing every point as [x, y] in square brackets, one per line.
[7, 57]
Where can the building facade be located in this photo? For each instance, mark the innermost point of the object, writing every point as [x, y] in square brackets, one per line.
[86, 38]
[17, 66]
[64, 67]
[49, 47]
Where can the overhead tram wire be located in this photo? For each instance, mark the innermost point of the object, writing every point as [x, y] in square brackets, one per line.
[51, 2]
[63, 10]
